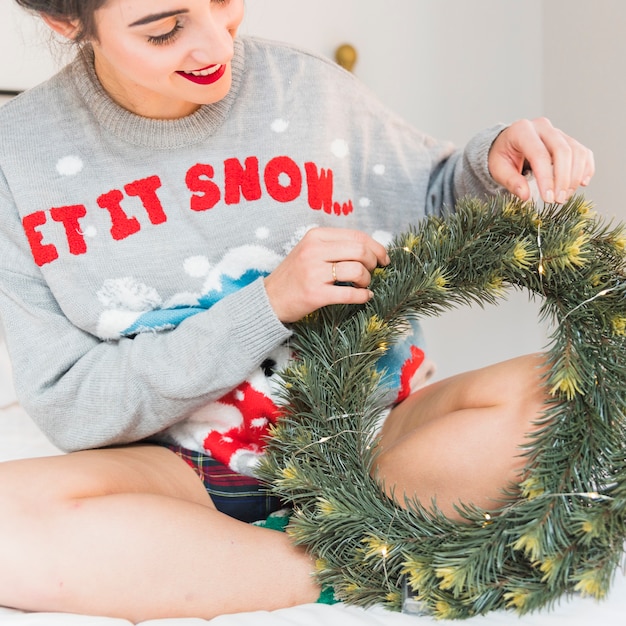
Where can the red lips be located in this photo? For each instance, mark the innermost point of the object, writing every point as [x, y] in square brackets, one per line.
[209, 79]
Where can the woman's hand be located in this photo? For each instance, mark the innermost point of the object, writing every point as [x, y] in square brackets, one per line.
[559, 163]
[306, 279]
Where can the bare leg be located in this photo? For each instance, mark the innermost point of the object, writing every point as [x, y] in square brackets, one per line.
[132, 533]
[459, 439]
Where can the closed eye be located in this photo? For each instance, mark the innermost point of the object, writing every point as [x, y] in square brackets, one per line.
[165, 38]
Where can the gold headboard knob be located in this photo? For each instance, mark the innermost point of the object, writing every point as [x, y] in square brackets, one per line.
[346, 56]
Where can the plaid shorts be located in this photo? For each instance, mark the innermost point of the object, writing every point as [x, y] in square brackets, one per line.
[238, 496]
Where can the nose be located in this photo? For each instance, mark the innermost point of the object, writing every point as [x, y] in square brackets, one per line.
[214, 34]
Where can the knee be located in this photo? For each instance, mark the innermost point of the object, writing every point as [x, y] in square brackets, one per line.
[21, 539]
[517, 388]
[28, 483]
[14, 485]
[529, 397]
[36, 516]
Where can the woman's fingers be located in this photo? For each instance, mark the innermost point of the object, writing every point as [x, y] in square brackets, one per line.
[560, 164]
[351, 245]
[328, 266]
[351, 273]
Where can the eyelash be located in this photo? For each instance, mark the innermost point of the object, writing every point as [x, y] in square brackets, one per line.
[160, 40]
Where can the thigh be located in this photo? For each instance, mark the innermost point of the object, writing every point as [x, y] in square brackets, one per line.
[132, 533]
[145, 469]
[516, 384]
[462, 439]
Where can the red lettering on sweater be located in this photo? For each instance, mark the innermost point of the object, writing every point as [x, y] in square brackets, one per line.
[282, 179]
[320, 185]
[69, 216]
[241, 180]
[122, 226]
[145, 189]
[205, 193]
[343, 209]
[42, 252]
[276, 171]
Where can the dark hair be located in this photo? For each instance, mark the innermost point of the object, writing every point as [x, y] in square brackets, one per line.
[81, 10]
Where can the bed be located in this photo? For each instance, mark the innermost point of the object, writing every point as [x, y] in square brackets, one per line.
[20, 438]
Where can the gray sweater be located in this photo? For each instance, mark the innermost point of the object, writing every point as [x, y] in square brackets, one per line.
[132, 250]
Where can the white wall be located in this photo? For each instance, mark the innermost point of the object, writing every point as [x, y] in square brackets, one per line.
[585, 87]
[445, 65]
[26, 56]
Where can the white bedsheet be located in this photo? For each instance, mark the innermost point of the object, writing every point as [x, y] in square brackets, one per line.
[20, 438]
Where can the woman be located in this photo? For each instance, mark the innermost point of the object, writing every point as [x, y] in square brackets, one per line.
[171, 201]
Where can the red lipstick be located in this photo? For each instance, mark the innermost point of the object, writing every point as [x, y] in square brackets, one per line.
[207, 79]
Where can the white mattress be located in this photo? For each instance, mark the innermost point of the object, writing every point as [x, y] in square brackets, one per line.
[20, 438]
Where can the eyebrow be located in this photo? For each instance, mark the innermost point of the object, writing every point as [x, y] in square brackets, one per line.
[148, 19]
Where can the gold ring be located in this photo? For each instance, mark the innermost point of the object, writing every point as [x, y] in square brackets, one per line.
[334, 271]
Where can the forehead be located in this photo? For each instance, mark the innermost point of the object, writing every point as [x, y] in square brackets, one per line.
[132, 11]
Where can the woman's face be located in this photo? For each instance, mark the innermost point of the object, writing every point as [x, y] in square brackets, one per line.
[164, 58]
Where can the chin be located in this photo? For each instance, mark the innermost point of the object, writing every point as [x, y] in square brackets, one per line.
[213, 93]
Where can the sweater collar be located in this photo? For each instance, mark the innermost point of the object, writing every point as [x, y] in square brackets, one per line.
[142, 131]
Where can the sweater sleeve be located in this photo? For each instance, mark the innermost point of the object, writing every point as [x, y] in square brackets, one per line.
[458, 173]
[84, 392]
[473, 177]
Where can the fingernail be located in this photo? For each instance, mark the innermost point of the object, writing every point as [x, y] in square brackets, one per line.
[387, 260]
[586, 181]
[549, 196]
[562, 197]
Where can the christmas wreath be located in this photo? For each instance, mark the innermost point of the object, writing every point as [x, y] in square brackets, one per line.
[560, 531]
